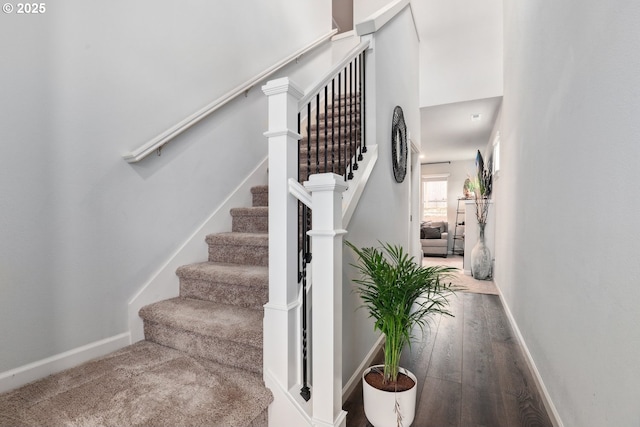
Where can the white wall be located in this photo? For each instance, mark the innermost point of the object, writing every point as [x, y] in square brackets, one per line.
[460, 50]
[382, 214]
[566, 234]
[82, 230]
[362, 9]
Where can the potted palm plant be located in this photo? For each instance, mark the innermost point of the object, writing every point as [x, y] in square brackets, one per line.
[399, 295]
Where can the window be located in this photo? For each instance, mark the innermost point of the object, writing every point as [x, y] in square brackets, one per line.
[496, 154]
[434, 198]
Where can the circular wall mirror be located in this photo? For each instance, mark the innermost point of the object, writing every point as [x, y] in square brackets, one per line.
[398, 145]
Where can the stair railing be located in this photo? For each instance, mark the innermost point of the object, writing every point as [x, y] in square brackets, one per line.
[324, 159]
[303, 345]
[339, 95]
[331, 121]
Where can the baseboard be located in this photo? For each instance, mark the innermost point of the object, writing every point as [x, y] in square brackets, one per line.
[51, 365]
[368, 361]
[164, 284]
[546, 397]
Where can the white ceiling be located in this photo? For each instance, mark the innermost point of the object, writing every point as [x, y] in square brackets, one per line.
[448, 133]
[460, 75]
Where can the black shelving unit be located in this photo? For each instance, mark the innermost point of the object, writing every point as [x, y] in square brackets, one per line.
[458, 229]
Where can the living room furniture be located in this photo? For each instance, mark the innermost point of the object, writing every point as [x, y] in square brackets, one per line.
[434, 238]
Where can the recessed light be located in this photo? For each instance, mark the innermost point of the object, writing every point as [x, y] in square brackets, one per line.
[476, 117]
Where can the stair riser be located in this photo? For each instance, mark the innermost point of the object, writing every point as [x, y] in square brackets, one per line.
[220, 351]
[225, 293]
[260, 196]
[239, 254]
[260, 199]
[250, 224]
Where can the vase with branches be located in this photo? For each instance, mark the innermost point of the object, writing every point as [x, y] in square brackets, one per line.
[480, 254]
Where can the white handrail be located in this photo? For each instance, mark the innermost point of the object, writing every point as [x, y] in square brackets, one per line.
[311, 92]
[159, 141]
[298, 191]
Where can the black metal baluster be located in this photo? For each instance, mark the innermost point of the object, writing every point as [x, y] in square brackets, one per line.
[308, 141]
[351, 158]
[363, 103]
[299, 142]
[333, 125]
[354, 107]
[359, 112]
[318, 133]
[326, 89]
[341, 165]
[305, 392]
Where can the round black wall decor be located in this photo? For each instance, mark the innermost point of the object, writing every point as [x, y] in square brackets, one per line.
[399, 145]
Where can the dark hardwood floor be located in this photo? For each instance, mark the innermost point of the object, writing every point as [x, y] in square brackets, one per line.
[471, 372]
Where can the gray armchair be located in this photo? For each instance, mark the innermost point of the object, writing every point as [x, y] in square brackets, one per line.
[434, 237]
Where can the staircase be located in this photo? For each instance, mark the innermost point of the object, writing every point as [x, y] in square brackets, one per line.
[218, 314]
[201, 361]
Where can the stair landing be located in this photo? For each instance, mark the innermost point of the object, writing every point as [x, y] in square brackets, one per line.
[142, 384]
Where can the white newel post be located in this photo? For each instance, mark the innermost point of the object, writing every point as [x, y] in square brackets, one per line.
[281, 329]
[327, 234]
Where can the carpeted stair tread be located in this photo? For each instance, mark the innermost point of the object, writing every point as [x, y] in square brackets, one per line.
[235, 284]
[144, 384]
[236, 274]
[252, 211]
[207, 318]
[239, 239]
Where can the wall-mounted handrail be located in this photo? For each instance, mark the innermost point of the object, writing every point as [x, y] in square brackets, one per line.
[159, 141]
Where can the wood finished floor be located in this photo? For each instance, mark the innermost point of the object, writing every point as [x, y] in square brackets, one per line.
[471, 372]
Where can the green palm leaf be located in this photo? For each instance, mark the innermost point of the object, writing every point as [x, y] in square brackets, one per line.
[399, 295]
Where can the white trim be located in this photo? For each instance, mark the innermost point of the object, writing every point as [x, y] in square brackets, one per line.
[357, 375]
[282, 132]
[287, 408]
[436, 177]
[166, 136]
[333, 71]
[377, 20]
[344, 35]
[283, 308]
[546, 397]
[298, 191]
[351, 197]
[54, 364]
[326, 233]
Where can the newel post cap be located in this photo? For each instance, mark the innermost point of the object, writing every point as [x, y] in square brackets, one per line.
[282, 85]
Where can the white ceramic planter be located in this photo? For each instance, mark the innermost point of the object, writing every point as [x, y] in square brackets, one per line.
[379, 406]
